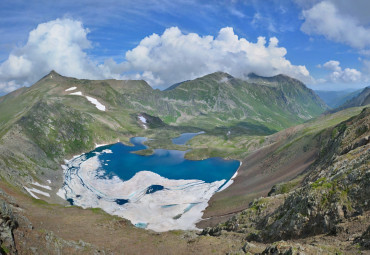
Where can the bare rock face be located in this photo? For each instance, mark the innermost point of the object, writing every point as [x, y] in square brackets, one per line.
[334, 190]
[7, 225]
[278, 249]
[364, 240]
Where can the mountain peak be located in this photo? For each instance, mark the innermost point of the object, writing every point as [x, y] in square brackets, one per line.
[256, 76]
[53, 73]
[219, 74]
[272, 80]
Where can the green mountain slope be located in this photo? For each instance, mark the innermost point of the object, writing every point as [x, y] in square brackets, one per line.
[221, 99]
[362, 99]
[215, 99]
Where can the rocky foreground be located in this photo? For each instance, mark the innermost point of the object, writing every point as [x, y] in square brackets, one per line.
[331, 203]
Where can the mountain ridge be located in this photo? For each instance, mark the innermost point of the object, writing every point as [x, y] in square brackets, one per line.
[289, 99]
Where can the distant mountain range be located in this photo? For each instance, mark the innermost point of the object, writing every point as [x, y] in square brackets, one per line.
[361, 99]
[335, 99]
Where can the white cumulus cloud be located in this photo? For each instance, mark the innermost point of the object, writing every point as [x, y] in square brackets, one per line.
[56, 45]
[162, 60]
[339, 75]
[325, 18]
[174, 56]
[333, 65]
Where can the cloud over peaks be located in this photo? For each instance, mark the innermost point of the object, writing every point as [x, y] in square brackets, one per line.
[162, 60]
[60, 45]
[174, 56]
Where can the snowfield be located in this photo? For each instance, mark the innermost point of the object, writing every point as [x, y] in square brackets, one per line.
[92, 100]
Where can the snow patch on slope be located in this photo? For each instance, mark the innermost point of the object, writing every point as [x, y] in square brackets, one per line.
[41, 186]
[143, 121]
[92, 100]
[33, 190]
[96, 103]
[71, 88]
[78, 93]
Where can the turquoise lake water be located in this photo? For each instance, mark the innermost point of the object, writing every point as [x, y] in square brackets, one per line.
[149, 201]
[170, 164]
[184, 138]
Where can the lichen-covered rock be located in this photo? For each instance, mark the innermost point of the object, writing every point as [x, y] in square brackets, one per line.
[284, 248]
[248, 246]
[7, 225]
[364, 240]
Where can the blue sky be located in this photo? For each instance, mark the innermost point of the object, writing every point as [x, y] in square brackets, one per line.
[324, 43]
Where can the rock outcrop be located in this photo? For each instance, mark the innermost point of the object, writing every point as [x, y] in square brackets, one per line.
[7, 225]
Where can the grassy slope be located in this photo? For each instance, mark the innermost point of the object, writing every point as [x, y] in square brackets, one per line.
[221, 99]
[282, 157]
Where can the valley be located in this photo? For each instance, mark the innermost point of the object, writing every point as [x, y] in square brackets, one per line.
[292, 151]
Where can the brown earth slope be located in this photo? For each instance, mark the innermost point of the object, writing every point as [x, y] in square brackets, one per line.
[283, 157]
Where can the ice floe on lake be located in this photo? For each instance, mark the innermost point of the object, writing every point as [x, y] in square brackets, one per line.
[156, 199]
[147, 199]
[231, 181]
[61, 193]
